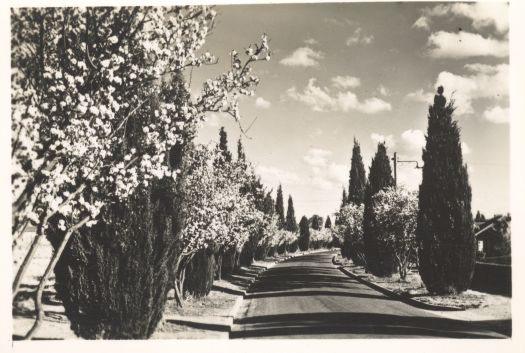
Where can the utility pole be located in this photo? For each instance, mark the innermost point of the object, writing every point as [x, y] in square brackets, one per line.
[396, 161]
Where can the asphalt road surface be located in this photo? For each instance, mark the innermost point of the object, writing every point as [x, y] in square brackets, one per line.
[309, 297]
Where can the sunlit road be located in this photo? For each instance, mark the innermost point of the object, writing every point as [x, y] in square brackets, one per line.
[308, 297]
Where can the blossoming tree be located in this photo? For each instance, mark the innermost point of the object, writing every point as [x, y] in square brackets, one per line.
[80, 77]
[395, 211]
[349, 230]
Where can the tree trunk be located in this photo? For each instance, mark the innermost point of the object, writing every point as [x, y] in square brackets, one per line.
[40, 314]
[27, 260]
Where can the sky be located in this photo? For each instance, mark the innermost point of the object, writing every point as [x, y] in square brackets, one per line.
[366, 71]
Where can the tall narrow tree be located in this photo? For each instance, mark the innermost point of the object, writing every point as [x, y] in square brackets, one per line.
[328, 223]
[316, 222]
[357, 182]
[344, 200]
[304, 234]
[268, 205]
[378, 258]
[223, 145]
[241, 155]
[447, 245]
[279, 207]
[291, 223]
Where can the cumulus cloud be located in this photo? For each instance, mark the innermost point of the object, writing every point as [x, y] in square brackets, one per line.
[304, 56]
[322, 99]
[273, 175]
[420, 96]
[383, 90]
[343, 82]
[324, 174]
[414, 139]
[464, 45]
[497, 115]
[311, 41]
[389, 140]
[359, 38]
[485, 82]
[482, 14]
[260, 102]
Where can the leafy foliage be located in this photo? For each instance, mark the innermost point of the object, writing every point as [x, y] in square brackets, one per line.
[357, 182]
[349, 232]
[291, 223]
[395, 217]
[304, 234]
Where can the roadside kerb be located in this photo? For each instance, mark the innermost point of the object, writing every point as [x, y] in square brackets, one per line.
[394, 295]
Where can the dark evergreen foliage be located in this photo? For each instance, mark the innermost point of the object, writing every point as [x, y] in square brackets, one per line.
[379, 259]
[344, 200]
[291, 223]
[304, 234]
[316, 222]
[268, 203]
[328, 223]
[241, 155]
[226, 156]
[357, 182]
[199, 273]
[479, 217]
[447, 246]
[279, 207]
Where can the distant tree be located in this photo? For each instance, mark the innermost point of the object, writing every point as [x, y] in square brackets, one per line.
[241, 155]
[304, 234]
[447, 245]
[223, 146]
[279, 207]
[316, 222]
[291, 223]
[379, 259]
[268, 207]
[344, 200]
[357, 183]
[479, 217]
[328, 223]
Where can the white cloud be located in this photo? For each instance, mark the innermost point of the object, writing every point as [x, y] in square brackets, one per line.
[465, 148]
[317, 157]
[483, 14]
[260, 102]
[420, 96]
[464, 45]
[383, 90]
[389, 140]
[273, 175]
[487, 83]
[409, 176]
[321, 99]
[343, 82]
[497, 115]
[304, 56]
[414, 139]
[311, 41]
[325, 175]
[359, 38]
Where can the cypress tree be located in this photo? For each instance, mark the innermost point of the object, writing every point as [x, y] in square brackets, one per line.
[378, 258]
[279, 207]
[316, 222]
[344, 200]
[291, 223]
[447, 246]
[357, 182]
[223, 146]
[328, 223]
[241, 155]
[304, 234]
[268, 205]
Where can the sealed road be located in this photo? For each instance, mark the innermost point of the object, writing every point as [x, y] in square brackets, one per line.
[308, 297]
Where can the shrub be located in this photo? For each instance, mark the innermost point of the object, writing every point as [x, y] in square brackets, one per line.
[350, 233]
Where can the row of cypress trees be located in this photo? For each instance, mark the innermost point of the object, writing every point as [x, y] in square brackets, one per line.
[446, 243]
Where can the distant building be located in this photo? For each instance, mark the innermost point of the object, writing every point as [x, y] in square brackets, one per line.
[493, 237]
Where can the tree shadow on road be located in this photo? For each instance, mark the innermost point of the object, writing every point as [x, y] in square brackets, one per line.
[367, 324]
